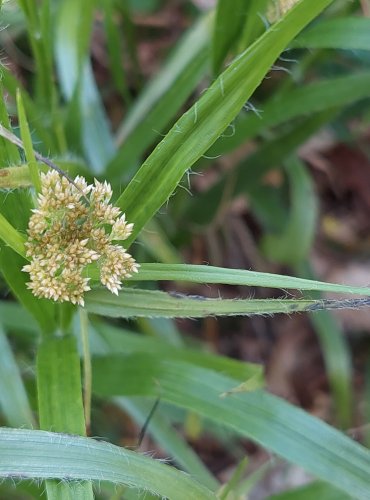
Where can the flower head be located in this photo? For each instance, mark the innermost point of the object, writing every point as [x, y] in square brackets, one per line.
[74, 226]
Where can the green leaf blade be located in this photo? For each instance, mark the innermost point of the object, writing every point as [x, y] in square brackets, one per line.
[198, 128]
[266, 419]
[12, 237]
[60, 402]
[230, 17]
[47, 455]
[27, 142]
[155, 304]
[212, 274]
[157, 105]
[13, 396]
[351, 33]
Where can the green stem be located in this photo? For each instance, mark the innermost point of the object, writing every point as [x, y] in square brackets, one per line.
[27, 142]
[87, 369]
[60, 401]
[15, 177]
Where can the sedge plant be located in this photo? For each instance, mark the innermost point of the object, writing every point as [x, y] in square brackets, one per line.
[74, 199]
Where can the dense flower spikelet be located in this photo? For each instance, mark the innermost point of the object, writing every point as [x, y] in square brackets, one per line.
[73, 226]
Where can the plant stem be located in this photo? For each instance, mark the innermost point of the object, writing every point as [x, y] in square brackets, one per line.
[60, 402]
[87, 370]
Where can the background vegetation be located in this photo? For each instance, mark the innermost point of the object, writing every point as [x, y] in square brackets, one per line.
[236, 139]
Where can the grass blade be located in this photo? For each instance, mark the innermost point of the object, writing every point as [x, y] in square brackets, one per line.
[115, 49]
[117, 340]
[159, 102]
[255, 23]
[301, 101]
[12, 237]
[230, 17]
[8, 151]
[60, 401]
[42, 310]
[293, 245]
[13, 396]
[46, 455]
[316, 489]
[39, 36]
[168, 439]
[351, 33]
[148, 303]
[198, 128]
[211, 274]
[248, 173]
[266, 419]
[73, 25]
[27, 144]
[59, 386]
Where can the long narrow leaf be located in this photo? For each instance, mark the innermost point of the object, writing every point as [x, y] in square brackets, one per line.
[197, 129]
[352, 33]
[248, 173]
[59, 386]
[293, 245]
[159, 102]
[8, 151]
[230, 17]
[47, 455]
[304, 100]
[60, 402]
[13, 397]
[266, 419]
[16, 209]
[168, 439]
[15, 317]
[119, 341]
[44, 134]
[11, 236]
[316, 489]
[27, 142]
[42, 310]
[212, 274]
[147, 303]
[73, 25]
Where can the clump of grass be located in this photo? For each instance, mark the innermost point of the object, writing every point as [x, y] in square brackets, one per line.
[75, 234]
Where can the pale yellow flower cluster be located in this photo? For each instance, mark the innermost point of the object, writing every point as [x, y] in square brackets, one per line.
[74, 226]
